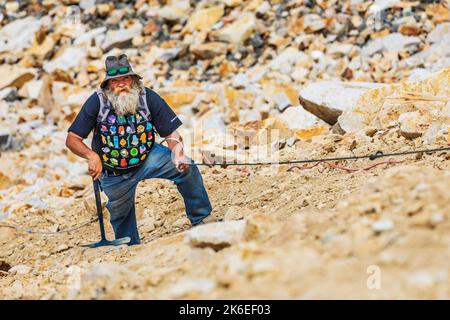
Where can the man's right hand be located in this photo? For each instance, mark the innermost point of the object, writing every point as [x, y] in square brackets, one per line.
[95, 166]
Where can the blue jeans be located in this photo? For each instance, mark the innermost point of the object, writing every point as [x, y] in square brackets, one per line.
[121, 190]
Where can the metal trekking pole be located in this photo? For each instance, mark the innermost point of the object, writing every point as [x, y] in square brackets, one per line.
[103, 241]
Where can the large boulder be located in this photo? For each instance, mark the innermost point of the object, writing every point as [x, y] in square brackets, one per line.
[328, 99]
[415, 106]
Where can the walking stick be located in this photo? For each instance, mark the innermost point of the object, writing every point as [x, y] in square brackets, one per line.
[103, 241]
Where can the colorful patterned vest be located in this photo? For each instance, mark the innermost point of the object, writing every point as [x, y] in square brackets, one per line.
[126, 140]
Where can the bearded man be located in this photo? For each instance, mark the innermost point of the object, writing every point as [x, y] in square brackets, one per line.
[125, 116]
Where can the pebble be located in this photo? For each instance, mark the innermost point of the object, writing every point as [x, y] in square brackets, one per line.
[20, 269]
[382, 225]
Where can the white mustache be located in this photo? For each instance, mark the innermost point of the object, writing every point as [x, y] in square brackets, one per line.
[124, 102]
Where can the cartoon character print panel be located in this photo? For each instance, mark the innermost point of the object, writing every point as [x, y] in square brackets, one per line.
[126, 140]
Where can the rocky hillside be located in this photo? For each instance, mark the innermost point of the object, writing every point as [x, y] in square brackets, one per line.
[252, 81]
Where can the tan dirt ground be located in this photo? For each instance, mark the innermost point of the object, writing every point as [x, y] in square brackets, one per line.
[309, 234]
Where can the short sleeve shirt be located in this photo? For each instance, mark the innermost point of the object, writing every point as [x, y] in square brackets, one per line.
[164, 119]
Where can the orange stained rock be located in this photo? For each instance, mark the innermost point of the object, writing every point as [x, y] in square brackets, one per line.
[305, 134]
[177, 99]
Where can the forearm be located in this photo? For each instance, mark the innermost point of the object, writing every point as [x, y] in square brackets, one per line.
[78, 147]
[173, 145]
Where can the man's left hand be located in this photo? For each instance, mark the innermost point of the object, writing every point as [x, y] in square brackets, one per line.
[181, 163]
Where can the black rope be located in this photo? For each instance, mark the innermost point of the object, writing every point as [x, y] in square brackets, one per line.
[376, 155]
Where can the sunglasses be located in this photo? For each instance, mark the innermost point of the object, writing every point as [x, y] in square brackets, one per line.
[122, 70]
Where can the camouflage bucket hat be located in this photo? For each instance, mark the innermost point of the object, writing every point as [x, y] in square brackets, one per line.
[117, 67]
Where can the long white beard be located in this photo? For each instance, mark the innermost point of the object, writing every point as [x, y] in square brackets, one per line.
[124, 102]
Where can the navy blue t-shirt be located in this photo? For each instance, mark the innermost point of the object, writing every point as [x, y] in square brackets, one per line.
[164, 119]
